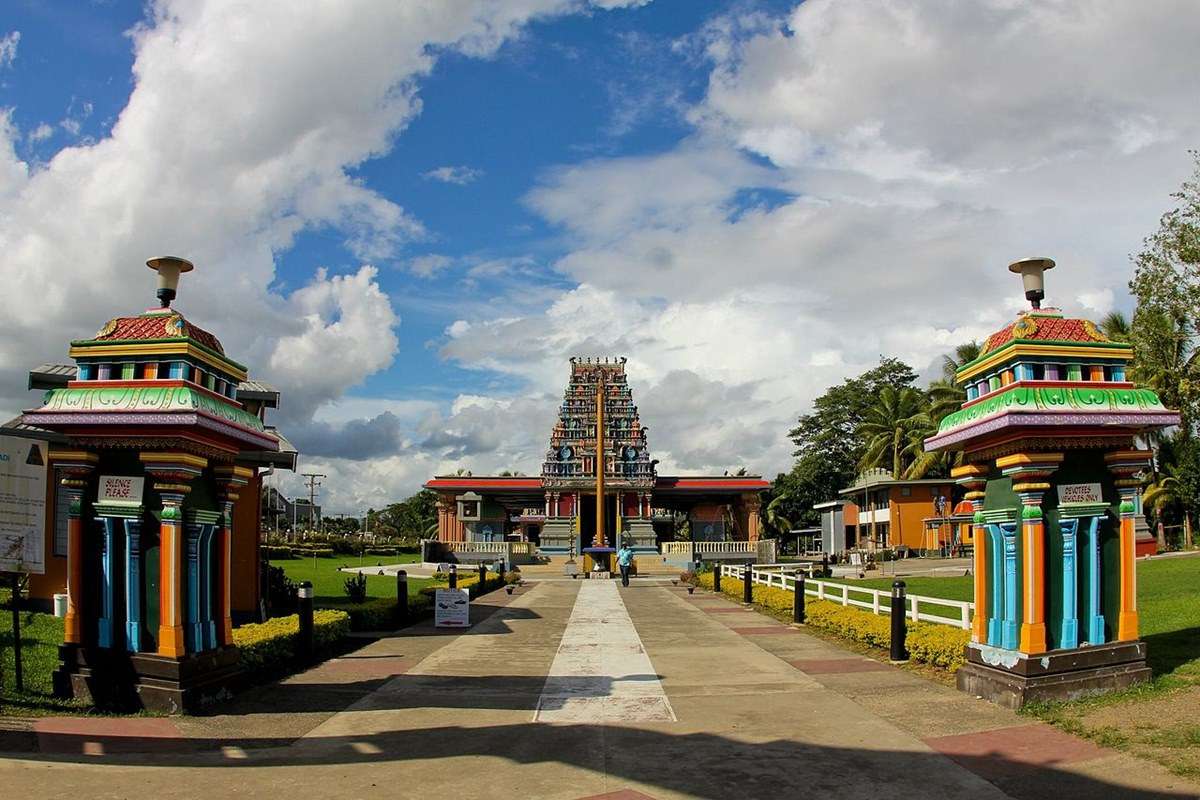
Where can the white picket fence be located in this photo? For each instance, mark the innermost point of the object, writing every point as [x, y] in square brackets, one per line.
[497, 548]
[877, 601]
[763, 548]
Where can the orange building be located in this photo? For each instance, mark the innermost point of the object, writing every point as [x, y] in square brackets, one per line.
[880, 511]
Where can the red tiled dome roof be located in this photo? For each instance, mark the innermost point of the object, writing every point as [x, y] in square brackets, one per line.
[1037, 327]
[157, 326]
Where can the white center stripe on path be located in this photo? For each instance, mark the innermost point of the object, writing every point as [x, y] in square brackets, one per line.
[601, 672]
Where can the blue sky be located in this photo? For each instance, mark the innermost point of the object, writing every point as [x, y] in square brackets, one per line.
[408, 216]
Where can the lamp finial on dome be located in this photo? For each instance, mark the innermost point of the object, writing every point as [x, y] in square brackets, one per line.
[169, 268]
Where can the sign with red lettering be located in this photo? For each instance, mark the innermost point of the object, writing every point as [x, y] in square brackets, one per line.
[120, 490]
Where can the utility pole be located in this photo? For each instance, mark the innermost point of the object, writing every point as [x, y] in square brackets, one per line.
[314, 483]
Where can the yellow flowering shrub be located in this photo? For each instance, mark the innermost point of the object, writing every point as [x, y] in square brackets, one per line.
[271, 644]
[939, 645]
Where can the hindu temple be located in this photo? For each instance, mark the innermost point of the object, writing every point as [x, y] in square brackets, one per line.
[155, 435]
[1049, 437]
[600, 488]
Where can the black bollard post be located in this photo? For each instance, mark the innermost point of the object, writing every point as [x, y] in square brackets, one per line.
[482, 576]
[402, 597]
[824, 565]
[500, 570]
[453, 576]
[304, 594]
[717, 577]
[899, 622]
[798, 600]
[748, 584]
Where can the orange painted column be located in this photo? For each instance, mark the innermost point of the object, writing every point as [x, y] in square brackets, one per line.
[973, 478]
[1127, 618]
[1029, 472]
[171, 641]
[230, 480]
[73, 622]
[75, 466]
[1125, 464]
[1033, 558]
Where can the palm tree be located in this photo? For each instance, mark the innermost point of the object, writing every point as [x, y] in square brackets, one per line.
[887, 428]
[965, 353]
[1115, 326]
[773, 514]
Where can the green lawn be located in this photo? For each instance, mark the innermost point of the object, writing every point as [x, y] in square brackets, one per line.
[41, 634]
[1168, 605]
[329, 584]
[958, 587]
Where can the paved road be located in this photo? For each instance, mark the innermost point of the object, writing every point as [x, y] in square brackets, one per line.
[573, 689]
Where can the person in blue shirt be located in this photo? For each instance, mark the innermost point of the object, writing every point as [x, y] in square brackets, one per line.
[625, 562]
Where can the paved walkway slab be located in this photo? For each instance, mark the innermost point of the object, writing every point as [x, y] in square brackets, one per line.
[429, 713]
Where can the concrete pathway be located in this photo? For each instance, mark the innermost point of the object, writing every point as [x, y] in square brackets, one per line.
[638, 692]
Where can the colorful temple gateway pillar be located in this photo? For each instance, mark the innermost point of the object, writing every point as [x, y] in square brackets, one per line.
[1047, 439]
[1124, 464]
[75, 467]
[230, 479]
[159, 441]
[973, 479]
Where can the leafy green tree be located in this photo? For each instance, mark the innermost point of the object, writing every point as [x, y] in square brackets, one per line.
[828, 445]
[1166, 283]
[889, 426]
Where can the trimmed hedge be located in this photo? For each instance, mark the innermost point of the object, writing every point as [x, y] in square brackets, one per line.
[271, 645]
[272, 551]
[939, 645]
[309, 552]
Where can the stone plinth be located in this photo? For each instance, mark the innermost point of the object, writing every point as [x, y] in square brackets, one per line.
[1014, 679]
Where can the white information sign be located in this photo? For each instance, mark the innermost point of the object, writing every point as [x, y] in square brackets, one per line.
[451, 608]
[1079, 493]
[120, 490]
[23, 474]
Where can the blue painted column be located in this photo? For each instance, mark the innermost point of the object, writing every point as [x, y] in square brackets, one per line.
[1010, 629]
[1068, 636]
[104, 624]
[192, 624]
[133, 585]
[1095, 619]
[206, 598]
[996, 585]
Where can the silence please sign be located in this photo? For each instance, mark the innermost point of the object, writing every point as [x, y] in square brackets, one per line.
[1079, 493]
[121, 490]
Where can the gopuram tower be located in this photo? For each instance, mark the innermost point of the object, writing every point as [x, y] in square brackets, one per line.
[598, 476]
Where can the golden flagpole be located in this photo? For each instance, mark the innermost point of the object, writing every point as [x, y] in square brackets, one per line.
[598, 539]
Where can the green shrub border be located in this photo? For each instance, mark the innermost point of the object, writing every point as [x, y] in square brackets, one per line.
[940, 646]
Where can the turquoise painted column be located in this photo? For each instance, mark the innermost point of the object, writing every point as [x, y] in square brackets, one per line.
[1068, 635]
[1009, 631]
[995, 556]
[206, 599]
[192, 625]
[1095, 618]
[104, 624]
[133, 585]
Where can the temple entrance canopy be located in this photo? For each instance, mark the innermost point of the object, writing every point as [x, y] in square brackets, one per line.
[598, 448]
